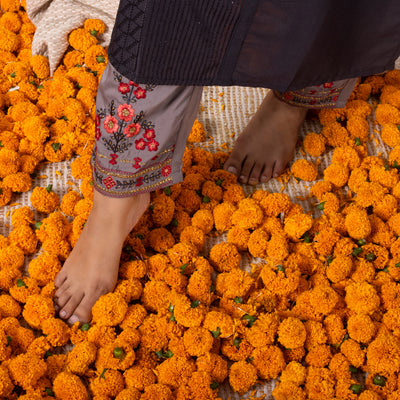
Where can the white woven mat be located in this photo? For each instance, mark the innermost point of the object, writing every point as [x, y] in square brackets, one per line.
[224, 111]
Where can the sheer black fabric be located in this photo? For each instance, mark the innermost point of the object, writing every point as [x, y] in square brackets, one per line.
[280, 44]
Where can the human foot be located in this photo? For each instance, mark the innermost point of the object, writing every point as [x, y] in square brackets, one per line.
[91, 270]
[266, 145]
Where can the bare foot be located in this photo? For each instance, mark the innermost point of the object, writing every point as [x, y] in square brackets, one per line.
[266, 145]
[91, 270]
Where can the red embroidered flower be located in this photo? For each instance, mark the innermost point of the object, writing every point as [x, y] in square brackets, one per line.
[334, 98]
[109, 182]
[137, 162]
[140, 93]
[132, 130]
[111, 124]
[288, 96]
[97, 133]
[152, 145]
[113, 159]
[154, 158]
[133, 83]
[139, 181]
[328, 85]
[165, 171]
[126, 112]
[140, 144]
[97, 121]
[124, 88]
[312, 92]
[149, 134]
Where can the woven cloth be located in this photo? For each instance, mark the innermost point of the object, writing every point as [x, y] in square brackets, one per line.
[55, 19]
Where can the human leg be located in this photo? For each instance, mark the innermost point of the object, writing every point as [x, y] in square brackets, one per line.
[266, 145]
[140, 138]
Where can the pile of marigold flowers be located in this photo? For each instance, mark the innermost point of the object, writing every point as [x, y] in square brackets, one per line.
[319, 311]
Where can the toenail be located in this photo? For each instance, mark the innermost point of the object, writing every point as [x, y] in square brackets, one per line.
[233, 170]
[63, 314]
[264, 179]
[73, 320]
[276, 174]
[253, 181]
[242, 178]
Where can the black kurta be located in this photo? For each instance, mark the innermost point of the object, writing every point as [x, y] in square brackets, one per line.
[279, 44]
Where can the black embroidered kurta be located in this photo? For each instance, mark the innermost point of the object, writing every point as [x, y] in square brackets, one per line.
[279, 44]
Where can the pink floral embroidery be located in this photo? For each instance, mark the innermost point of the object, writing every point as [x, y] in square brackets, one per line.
[113, 159]
[126, 112]
[124, 88]
[111, 124]
[149, 134]
[154, 158]
[132, 130]
[97, 133]
[109, 182]
[140, 144]
[152, 145]
[137, 162]
[165, 171]
[140, 93]
[139, 181]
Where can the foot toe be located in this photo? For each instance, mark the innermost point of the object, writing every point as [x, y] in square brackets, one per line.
[234, 163]
[255, 174]
[69, 308]
[245, 172]
[62, 298]
[266, 174]
[84, 311]
[60, 278]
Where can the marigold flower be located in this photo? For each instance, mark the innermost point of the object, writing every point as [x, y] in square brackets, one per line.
[339, 269]
[81, 39]
[336, 174]
[235, 283]
[44, 268]
[44, 199]
[387, 114]
[24, 287]
[362, 298]
[9, 40]
[193, 236]
[304, 170]
[319, 356]
[328, 115]
[242, 376]
[248, 215]
[257, 243]
[210, 190]
[8, 306]
[204, 220]
[319, 383]
[288, 390]
[269, 361]
[234, 193]
[40, 66]
[18, 182]
[175, 371]
[223, 216]
[96, 58]
[280, 280]
[109, 310]
[6, 385]
[294, 372]
[197, 133]
[24, 237]
[291, 333]
[9, 162]
[189, 201]
[37, 309]
[224, 257]
[357, 224]
[314, 145]
[263, 330]
[157, 391]
[68, 386]
[297, 225]
[198, 287]
[335, 134]
[275, 204]
[239, 237]
[26, 369]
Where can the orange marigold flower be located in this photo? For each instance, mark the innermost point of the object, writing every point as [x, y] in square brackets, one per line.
[81, 39]
[18, 182]
[386, 207]
[361, 328]
[357, 177]
[194, 236]
[314, 144]
[291, 333]
[108, 384]
[37, 309]
[358, 128]
[24, 237]
[394, 156]
[390, 134]
[40, 66]
[376, 82]
[204, 220]
[339, 269]
[358, 108]
[239, 237]
[96, 58]
[288, 390]
[175, 372]
[197, 133]
[235, 283]
[319, 188]
[335, 134]
[337, 174]
[269, 361]
[319, 356]
[234, 193]
[224, 257]
[80, 357]
[68, 202]
[109, 310]
[56, 331]
[197, 341]
[157, 391]
[44, 199]
[68, 386]
[242, 376]
[353, 352]
[346, 155]
[297, 225]
[80, 168]
[357, 224]
[94, 26]
[9, 140]
[139, 377]
[387, 114]
[9, 162]
[223, 216]
[280, 280]
[248, 215]
[304, 170]
[362, 298]
[9, 40]
[24, 287]
[275, 203]
[219, 324]
[320, 383]
[328, 115]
